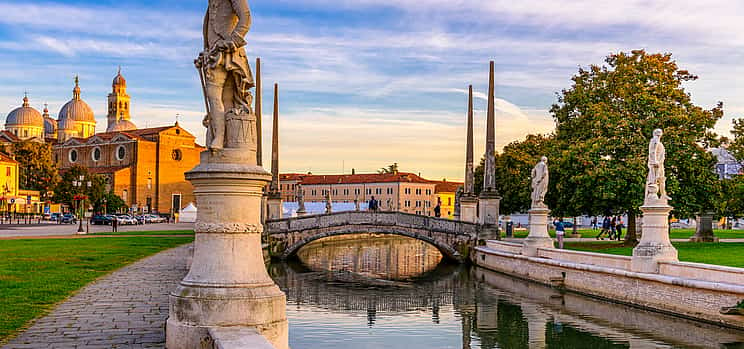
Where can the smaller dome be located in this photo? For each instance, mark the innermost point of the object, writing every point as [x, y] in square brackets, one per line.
[24, 116]
[50, 126]
[122, 125]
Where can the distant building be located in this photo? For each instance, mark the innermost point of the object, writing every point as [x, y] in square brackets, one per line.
[399, 191]
[13, 199]
[145, 167]
[727, 165]
[288, 185]
[445, 192]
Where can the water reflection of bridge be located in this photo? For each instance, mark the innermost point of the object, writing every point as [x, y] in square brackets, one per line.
[514, 314]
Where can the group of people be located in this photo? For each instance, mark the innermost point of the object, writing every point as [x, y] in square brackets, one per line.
[611, 226]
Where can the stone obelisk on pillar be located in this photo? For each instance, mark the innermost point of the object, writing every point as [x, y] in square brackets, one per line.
[655, 245]
[468, 200]
[227, 285]
[489, 199]
[274, 200]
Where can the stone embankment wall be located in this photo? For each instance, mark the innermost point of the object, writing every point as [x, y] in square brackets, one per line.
[691, 290]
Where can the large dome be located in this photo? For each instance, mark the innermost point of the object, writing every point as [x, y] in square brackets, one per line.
[122, 125]
[50, 126]
[66, 124]
[76, 109]
[24, 116]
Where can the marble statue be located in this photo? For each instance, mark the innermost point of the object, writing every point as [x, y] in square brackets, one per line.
[329, 204]
[226, 76]
[656, 180]
[300, 199]
[390, 204]
[356, 203]
[540, 178]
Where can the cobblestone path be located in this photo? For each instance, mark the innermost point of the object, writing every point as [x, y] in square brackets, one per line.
[126, 309]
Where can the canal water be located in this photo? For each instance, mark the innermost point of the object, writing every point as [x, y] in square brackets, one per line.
[382, 291]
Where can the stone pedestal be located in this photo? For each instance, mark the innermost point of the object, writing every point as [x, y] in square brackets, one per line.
[275, 209]
[704, 230]
[655, 245]
[469, 209]
[488, 215]
[538, 236]
[227, 284]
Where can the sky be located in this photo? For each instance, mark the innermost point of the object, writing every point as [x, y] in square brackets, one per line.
[365, 83]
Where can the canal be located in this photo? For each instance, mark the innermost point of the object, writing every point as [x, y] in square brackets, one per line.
[383, 291]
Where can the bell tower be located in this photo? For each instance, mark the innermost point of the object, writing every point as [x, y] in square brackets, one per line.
[118, 102]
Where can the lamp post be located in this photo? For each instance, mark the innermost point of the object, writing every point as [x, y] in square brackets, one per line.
[80, 185]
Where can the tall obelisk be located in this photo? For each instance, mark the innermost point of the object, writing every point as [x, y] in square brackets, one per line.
[227, 289]
[259, 114]
[489, 199]
[275, 192]
[468, 200]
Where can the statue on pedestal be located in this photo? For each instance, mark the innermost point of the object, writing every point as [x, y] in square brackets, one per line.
[540, 178]
[329, 203]
[300, 199]
[226, 77]
[656, 180]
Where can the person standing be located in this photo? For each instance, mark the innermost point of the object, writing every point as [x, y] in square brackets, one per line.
[373, 204]
[594, 223]
[613, 224]
[560, 231]
[115, 224]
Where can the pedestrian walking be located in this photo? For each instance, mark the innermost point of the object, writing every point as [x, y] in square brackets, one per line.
[373, 205]
[613, 225]
[115, 224]
[605, 228]
[619, 228]
[560, 231]
[594, 223]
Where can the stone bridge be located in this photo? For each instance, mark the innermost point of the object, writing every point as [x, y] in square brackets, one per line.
[453, 238]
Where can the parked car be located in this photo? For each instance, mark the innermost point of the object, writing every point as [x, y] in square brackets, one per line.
[101, 219]
[68, 218]
[141, 219]
[54, 217]
[126, 219]
[152, 218]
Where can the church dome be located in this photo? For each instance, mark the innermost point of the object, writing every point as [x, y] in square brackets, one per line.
[122, 125]
[76, 109]
[50, 125]
[66, 124]
[24, 116]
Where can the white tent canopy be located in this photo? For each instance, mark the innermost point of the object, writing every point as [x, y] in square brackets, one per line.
[188, 214]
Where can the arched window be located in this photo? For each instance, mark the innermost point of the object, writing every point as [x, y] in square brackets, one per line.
[121, 152]
[96, 154]
[73, 155]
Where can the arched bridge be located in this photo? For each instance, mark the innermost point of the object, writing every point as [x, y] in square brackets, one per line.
[452, 238]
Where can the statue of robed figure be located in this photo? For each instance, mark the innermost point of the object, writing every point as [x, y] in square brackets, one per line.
[656, 180]
[540, 180]
[226, 76]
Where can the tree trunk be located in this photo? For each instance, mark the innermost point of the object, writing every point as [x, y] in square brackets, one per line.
[631, 238]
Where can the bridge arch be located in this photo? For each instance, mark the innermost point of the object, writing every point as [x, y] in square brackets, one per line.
[452, 238]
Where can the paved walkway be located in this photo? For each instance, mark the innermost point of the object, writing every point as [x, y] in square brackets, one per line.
[126, 309]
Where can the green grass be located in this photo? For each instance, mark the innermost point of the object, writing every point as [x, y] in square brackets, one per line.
[676, 233]
[727, 253]
[37, 274]
[161, 232]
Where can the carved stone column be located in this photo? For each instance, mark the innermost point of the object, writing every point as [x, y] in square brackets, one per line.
[655, 245]
[227, 285]
[538, 236]
[489, 199]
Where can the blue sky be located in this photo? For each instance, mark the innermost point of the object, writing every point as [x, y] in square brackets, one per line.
[365, 83]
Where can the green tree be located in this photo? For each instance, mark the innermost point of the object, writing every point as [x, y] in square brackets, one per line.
[736, 147]
[36, 166]
[64, 191]
[113, 203]
[514, 171]
[603, 125]
[393, 168]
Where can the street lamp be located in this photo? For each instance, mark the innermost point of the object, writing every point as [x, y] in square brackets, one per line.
[80, 199]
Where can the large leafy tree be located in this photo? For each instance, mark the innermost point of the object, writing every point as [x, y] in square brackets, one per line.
[731, 200]
[65, 191]
[603, 125]
[37, 168]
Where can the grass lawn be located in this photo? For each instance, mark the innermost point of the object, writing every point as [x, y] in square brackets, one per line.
[676, 233]
[37, 274]
[162, 232]
[727, 253]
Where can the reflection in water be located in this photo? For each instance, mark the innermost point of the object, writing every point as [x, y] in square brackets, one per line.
[459, 307]
[371, 255]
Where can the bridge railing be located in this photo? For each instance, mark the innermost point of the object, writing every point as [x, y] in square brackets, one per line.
[399, 219]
